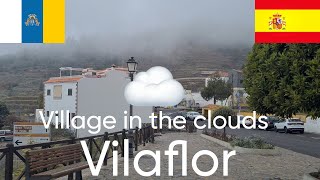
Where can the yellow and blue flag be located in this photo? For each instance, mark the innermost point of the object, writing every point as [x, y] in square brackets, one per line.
[32, 21]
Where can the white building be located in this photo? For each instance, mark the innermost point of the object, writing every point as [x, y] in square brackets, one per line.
[61, 94]
[202, 102]
[224, 76]
[194, 99]
[93, 93]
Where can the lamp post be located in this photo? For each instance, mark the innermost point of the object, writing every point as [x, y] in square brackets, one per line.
[132, 68]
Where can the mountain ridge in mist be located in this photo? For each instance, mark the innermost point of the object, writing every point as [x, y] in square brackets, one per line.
[30, 67]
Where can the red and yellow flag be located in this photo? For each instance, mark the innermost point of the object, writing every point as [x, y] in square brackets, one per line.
[287, 21]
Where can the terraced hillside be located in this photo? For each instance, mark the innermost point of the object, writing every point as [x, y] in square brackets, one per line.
[23, 75]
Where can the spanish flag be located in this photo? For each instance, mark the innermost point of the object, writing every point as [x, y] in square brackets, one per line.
[32, 21]
[287, 21]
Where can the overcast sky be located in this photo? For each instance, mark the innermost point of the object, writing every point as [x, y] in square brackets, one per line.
[133, 24]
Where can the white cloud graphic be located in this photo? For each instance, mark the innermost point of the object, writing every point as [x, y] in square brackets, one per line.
[156, 87]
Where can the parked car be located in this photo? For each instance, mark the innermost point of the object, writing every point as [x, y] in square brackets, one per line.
[178, 113]
[181, 113]
[247, 122]
[289, 125]
[192, 115]
[271, 120]
[6, 135]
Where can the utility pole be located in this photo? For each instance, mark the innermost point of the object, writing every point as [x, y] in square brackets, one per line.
[132, 68]
[130, 132]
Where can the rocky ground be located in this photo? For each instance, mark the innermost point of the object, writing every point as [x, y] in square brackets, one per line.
[288, 165]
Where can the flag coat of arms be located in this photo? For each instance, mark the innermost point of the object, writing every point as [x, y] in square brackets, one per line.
[32, 21]
[287, 21]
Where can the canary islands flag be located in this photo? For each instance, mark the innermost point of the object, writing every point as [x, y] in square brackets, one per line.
[32, 21]
[287, 21]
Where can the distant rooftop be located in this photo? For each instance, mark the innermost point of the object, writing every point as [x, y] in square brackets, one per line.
[236, 70]
[64, 79]
[85, 72]
[219, 72]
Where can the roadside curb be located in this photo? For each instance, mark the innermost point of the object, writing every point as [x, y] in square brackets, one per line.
[217, 141]
[308, 177]
[273, 152]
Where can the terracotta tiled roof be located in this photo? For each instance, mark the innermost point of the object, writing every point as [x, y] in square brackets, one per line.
[110, 69]
[100, 73]
[64, 79]
[218, 73]
[222, 74]
[121, 69]
[118, 69]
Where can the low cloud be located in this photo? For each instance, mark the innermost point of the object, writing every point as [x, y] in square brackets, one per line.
[155, 87]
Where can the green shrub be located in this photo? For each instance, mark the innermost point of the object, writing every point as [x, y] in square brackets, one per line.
[225, 112]
[252, 142]
[218, 135]
[316, 174]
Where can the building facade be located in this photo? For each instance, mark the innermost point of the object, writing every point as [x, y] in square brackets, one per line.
[94, 93]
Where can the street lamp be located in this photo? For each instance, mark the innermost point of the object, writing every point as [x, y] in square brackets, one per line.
[132, 65]
[132, 68]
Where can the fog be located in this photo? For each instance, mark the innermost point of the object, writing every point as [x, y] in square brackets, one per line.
[154, 27]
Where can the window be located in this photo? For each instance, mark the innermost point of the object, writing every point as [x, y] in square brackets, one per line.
[57, 92]
[48, 92]
[69, 92]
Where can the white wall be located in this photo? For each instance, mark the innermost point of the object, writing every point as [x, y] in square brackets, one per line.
[37, 115]
[105, 96]
[66, 102]
[225, 79]
[312, 125]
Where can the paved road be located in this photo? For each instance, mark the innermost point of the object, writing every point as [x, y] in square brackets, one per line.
[287, 165]
[302, 143]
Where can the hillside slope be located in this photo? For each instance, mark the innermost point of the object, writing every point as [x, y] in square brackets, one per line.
[23, 74]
